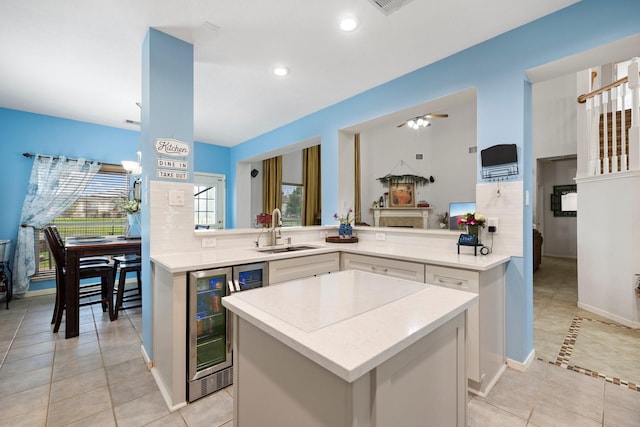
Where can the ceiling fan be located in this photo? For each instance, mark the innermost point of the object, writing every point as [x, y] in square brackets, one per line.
[423, 120]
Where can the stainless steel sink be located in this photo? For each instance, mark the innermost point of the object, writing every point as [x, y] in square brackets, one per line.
[273, 250]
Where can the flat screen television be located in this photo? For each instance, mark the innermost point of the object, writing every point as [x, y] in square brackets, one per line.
[456, 210]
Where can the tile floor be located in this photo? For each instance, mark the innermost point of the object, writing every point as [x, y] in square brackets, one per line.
[575, 338]
[100, 379]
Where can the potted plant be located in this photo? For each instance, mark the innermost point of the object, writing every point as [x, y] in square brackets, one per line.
[132, 208]
[345, 231]
[473, 222]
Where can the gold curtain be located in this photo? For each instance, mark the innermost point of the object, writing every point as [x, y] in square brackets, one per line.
[357, 203]
[271, 184]
[311, 184]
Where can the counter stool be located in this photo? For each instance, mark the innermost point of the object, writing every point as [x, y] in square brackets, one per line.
[123, 265]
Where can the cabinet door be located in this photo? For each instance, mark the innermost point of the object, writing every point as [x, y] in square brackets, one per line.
[390, 267]
[304, 266]
[463, 280]
[486, 320]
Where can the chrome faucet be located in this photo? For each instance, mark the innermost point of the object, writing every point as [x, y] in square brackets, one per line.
[275, 225]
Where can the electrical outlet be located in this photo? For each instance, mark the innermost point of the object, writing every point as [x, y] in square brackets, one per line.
[381, 236]
[492, 224]
[209, 242]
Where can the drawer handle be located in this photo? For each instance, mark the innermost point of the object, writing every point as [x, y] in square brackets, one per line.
[384, 270]
[450, 282]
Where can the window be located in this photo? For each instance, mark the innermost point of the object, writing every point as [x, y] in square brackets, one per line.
[95, 213]
[292, 205]
[209, 200]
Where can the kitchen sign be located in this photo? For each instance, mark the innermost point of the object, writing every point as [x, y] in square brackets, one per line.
[172, 164]
[173, 174]
[173, 159]
[171, 147]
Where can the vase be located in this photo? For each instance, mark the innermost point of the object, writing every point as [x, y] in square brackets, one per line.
[474, 230]
[134, 225]
[345, 231]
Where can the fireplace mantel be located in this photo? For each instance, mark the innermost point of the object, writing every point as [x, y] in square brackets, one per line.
[399, 217]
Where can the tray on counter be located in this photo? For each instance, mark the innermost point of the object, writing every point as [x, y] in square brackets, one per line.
[338, 239]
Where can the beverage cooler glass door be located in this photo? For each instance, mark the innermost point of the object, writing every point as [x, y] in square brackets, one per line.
[251, 276]
[210, 344]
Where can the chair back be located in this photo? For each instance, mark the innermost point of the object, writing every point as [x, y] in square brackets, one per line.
[56, 245]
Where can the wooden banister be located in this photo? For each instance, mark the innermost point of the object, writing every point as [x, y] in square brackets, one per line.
[583, 98]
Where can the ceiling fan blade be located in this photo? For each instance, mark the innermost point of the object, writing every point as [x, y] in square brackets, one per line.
[401, 124]
[436, 115]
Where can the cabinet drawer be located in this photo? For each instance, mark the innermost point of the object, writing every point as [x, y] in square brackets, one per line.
[453, 278]
[304, 266]
[390, 267]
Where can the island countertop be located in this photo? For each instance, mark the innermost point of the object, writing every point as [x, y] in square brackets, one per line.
[351, 321]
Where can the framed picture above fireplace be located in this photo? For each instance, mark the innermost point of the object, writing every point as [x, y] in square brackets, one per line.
[402, 195]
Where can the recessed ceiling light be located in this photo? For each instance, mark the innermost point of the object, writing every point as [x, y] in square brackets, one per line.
[348, 23]
[281, 71]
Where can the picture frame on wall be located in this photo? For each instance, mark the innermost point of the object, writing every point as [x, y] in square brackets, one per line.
[564, 200]
[402, 195]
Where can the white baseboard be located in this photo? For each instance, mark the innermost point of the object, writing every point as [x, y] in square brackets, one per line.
[522, 366]
[487, 389]
[165, 394]
[610, 316]
[146, 358]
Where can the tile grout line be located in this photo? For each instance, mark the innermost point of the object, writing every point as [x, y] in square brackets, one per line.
[15, 334]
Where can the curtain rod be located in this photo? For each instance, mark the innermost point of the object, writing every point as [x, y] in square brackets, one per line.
[31, 155]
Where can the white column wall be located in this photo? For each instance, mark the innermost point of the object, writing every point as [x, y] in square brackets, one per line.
[608, 247]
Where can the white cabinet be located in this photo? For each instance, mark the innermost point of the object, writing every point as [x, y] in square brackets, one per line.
[387, 266]
[304, 266]
[485, 321]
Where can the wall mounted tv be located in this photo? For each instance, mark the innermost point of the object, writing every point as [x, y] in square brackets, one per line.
[456, 210]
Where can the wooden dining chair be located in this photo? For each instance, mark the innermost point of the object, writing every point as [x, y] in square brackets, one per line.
[88, 270]
[122, 266]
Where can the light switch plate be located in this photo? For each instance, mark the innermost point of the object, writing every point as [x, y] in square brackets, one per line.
[176, 198]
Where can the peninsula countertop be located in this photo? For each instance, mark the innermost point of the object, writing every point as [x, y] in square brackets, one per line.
[224, 257]
[349, 322]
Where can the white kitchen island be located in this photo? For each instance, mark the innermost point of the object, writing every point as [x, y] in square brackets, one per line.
[349, 349]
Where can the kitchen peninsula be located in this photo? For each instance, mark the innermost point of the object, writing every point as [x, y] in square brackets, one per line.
[349, 349]
[433, 263]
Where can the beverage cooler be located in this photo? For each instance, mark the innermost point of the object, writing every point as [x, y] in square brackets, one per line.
[210, 358]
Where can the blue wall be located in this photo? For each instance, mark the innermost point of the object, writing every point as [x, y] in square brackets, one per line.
[22, 132]
[496, 68]
[211, 158]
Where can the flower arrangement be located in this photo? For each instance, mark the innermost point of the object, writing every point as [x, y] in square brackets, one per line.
[348, 219]
[472, 219]
[129, 206]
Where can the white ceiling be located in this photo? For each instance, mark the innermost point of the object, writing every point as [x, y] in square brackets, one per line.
[81, 59]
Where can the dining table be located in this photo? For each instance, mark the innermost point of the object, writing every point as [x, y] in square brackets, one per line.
[79, 247]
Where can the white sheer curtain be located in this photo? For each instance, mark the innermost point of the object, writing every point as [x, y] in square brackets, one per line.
[55, 184]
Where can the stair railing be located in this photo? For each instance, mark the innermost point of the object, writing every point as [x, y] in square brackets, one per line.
[614, 125]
